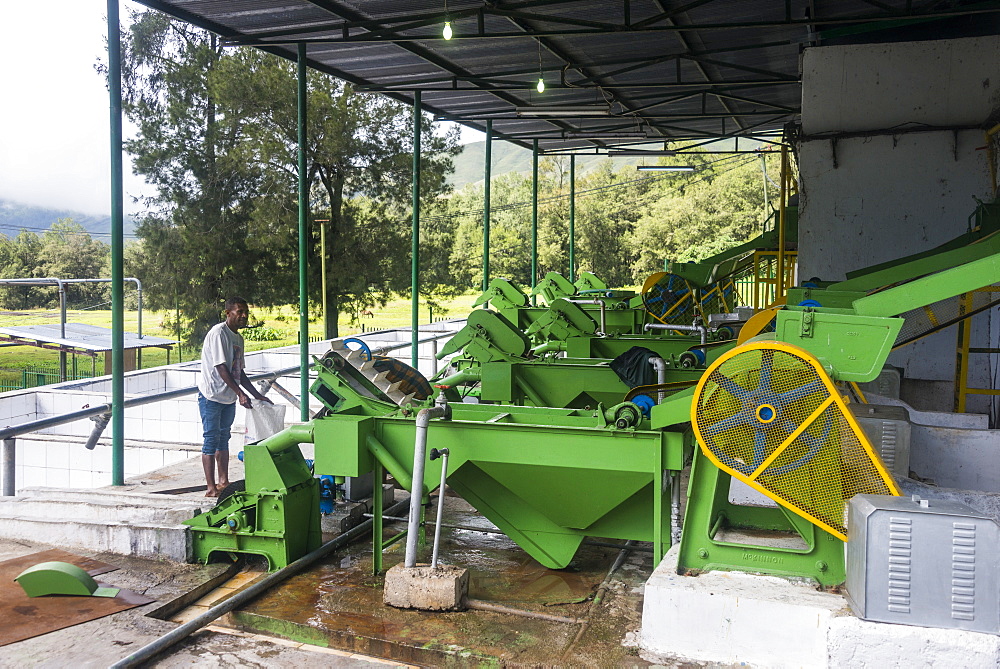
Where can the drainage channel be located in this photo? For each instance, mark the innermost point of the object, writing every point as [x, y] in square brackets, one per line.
[521, 612]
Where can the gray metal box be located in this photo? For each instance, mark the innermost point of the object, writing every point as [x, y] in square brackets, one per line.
[888, 428]
[922, 562]
[886, 384]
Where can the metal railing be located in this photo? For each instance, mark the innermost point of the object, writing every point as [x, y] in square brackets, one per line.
[8, 434]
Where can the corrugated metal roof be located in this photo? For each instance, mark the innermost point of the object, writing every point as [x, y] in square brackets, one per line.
[78, 336]
[674, 68]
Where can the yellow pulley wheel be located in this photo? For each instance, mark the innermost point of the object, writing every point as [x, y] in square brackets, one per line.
[768, 414]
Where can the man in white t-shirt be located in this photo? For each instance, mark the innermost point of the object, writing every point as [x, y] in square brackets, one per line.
[222, 374]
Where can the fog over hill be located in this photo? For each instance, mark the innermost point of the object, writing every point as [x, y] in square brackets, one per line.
[15, 216]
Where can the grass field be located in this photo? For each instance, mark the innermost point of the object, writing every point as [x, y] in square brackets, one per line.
[13, 359]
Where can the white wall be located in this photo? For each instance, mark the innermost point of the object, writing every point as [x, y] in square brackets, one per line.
[894, 194]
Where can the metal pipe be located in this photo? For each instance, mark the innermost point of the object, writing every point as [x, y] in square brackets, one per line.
[303, 249]
[534, 220]
[604, 306]
[291, 436]
[460, 378]
[117, 251]
[443, 453]
[480, 605]
[100, 423]
[62, 330]
[434, 357]
[415, 234]
[675, 508]
[780, 279]
[549, 346]
[572, 218]
[701, 329]
[486, 207]
[390, 463]
[417, 486]
[382, 350]
[53, 421]
[239, 599]
[660, 365]
[9, 460]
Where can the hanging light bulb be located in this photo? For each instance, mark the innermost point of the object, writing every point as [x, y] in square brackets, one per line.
[447, 33]
[541, 85]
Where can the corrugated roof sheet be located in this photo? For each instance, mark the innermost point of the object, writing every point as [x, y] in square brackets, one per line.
[675, 68]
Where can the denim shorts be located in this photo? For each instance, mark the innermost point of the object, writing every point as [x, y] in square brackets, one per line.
[216, 422]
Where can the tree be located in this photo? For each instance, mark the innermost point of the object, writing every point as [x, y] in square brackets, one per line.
[217, 137]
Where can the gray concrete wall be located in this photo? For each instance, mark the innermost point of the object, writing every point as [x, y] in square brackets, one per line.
[868, 199]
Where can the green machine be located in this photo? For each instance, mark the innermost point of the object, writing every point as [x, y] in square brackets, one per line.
[495, 357]
[523, 468]
[695, 290]
[617, 311]
[769, 415]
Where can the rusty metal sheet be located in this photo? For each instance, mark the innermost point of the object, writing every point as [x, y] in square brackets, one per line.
[25, 617]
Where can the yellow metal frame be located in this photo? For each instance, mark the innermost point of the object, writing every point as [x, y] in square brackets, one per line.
[964, 350]
[834, 398]
[765, 276]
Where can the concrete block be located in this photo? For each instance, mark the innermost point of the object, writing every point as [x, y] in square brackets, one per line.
[421, 587]
[741, 618]
[860, 644]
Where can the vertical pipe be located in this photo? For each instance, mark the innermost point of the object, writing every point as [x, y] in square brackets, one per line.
[572, 218]
[780, 290]
[534, 218]
[486, 207]
[322, 275]
[303, 210]
[440, 507]
[417, 484]
[138, 327]
[378, 505]
[62, 330]
[9, 460]
[117, 247]
[415, 242]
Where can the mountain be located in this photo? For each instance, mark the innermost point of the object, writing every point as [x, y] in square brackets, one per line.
[16, 216]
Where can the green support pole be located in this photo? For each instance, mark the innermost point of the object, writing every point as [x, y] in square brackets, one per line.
[415, 243]
[486, 208]
[303, 210]
[534, 218]
[117, 245]
[572, 218]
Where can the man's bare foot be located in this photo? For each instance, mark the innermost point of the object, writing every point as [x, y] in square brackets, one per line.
[212, 492]
[222, 485]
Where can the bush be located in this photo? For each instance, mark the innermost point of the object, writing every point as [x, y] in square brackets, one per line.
[262, 333]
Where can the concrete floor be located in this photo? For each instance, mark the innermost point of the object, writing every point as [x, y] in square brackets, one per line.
[104, 641]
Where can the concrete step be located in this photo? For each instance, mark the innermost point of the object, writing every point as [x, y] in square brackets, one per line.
[97, 520]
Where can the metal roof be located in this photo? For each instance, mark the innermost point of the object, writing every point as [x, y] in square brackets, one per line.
[79, 337]
[675, 69]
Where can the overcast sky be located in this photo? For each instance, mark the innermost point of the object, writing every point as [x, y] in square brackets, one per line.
[54, 137]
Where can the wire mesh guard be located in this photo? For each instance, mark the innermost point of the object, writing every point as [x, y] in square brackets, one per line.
[768, 414]
[924, 320]
[673, 300]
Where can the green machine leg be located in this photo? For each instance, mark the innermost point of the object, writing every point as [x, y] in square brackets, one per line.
[721, 535]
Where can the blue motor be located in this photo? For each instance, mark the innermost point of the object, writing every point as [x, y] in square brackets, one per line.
[327, 494]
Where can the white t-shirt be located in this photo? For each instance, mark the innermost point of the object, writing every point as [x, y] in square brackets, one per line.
[222, 346]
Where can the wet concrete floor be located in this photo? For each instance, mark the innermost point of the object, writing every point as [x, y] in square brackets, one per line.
[339, 604]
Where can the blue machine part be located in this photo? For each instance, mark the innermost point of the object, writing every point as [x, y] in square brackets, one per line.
[809, 303]
[361, 344]
[327, 494]
[645, 403]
